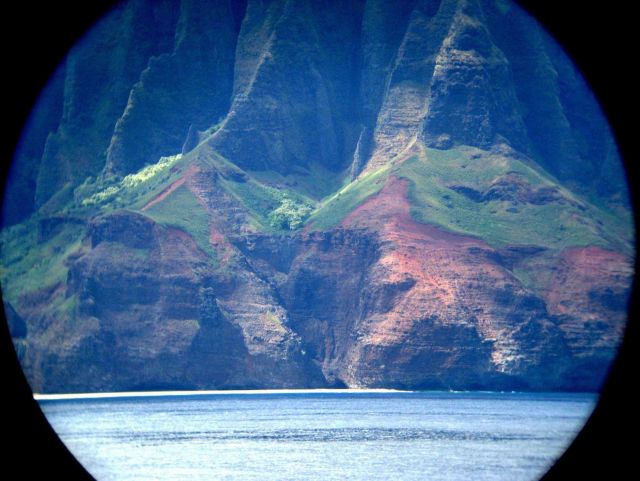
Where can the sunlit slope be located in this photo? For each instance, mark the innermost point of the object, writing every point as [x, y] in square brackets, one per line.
[500, 197]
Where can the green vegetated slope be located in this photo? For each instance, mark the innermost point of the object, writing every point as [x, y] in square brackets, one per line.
[31, 263]
[276, 202]
[505, 200]
[494, 196]
[337, 206]
[35, 258]
[181, 210]
[272, 209]
[106, 194]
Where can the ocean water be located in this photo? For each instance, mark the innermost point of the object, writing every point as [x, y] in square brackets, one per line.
[433, 436]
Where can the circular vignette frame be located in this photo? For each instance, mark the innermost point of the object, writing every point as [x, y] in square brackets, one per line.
[600, 41]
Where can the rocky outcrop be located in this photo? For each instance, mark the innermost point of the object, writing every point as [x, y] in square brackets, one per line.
[99, 75]
[150, 312]
[286, 122]
[320, 279]
[513, 189]
[471, 99]
[162, 107]
[404, 102]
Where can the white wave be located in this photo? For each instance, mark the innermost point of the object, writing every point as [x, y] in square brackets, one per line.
[138, 394]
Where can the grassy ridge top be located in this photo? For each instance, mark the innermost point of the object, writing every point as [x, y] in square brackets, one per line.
[496, 196]
[334, 208]
[181, 210]
[504, 200]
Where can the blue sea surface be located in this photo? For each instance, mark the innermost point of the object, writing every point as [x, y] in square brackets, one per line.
[321, 436]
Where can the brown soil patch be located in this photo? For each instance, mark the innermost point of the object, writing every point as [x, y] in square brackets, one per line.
[191, 170]
[388, 212]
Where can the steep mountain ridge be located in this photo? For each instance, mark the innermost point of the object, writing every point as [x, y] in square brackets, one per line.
[493, 65]
[356, 195]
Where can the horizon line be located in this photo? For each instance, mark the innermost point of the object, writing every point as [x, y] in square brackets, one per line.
[125, 394]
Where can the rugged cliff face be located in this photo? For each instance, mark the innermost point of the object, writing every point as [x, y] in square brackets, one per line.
[416, 194]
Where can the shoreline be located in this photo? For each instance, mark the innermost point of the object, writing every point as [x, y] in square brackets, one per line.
[135, 394]
[250, 392]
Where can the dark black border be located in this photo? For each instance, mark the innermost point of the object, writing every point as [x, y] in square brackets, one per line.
[599, 36]
[601, 39]
[35, 38]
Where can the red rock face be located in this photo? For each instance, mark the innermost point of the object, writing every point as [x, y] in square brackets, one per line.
[379, 301]
[587, 291]
[441, 309]
[386, 301]
[419, 280]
